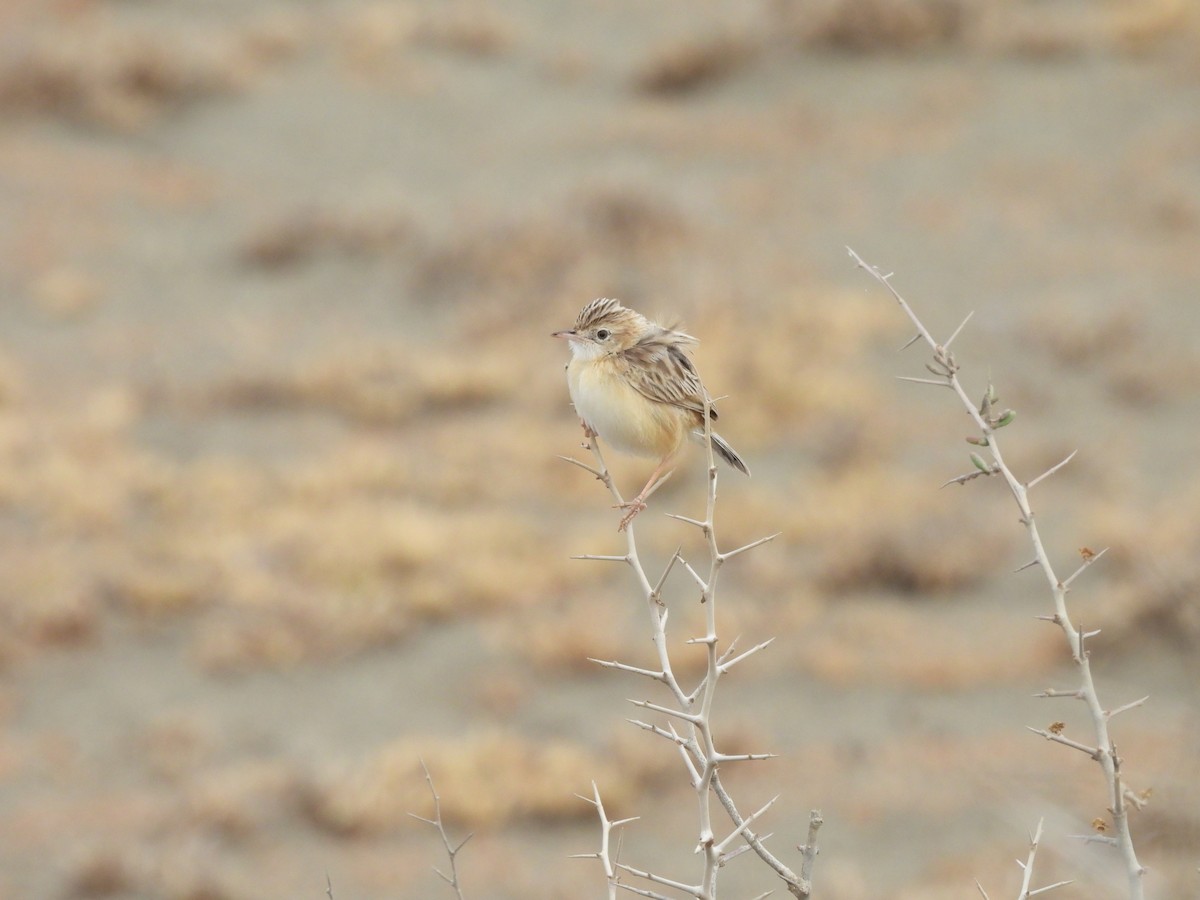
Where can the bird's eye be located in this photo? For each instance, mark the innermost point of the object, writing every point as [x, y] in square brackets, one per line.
[603, 334]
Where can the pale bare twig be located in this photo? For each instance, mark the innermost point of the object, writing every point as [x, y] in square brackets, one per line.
[1093, 752]
[604, 854]
[635, 670]
[958, 330]
[1051, 692]
[1050, 887]
[719, 848]
[1090, 558]
[1128, 706]
[945, 369]
[810, 850]
[744, 757]
[1050, 471]
[750, 546]
[451, 849]
[1106, 839]
[1027, 866]
[1027, 869]
[726, 665]
[695, 890]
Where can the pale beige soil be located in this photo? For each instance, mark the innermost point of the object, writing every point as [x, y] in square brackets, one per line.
[279, 504]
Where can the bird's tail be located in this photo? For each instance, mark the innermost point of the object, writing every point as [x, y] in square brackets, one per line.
[724, 451]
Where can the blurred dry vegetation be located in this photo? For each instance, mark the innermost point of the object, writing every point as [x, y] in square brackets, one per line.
[279, 414]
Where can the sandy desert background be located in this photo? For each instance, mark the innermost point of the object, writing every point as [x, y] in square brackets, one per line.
[279, 416]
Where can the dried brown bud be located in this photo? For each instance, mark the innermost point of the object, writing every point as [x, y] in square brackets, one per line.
[1100, 825]
[1058, 727]
[1087, 553]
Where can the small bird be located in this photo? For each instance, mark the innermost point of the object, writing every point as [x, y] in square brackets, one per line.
[634, 385]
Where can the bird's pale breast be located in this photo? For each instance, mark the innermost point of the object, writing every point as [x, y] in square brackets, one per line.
[619, 414]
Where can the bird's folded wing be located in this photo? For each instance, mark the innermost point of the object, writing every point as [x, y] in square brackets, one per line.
[661, 371]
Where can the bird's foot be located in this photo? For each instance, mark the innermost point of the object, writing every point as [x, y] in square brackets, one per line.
[632, 508]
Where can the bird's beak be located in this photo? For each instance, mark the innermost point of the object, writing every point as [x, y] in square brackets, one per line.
[566, 335]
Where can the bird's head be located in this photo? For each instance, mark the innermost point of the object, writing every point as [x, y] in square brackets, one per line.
[604, 326]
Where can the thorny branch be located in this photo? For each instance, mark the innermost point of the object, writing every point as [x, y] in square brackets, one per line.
[987, 420]
[451, 849]
[693, 709]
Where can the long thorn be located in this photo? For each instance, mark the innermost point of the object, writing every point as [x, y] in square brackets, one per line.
[1050, 471]
[726, 666]
[671, 736]
[635, 670]
[1051, 692]
[658, 879]
[923, 381]
[1128, 706]
[1093, 752]
[675, 557]
[950, 340]
[696, 576]
[744, 757]
[750, 546]
[583, 466]
[720, 848]
[1087, 562]
[667, 711]
[1050, 887]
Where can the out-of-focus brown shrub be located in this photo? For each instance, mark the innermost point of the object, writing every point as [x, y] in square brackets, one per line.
[1152, 560]
[380, 385]
[1035, 30]
[797, 371]
[116, 77]
[243, 798]
[304, 234]
[475, 29]
[875, 642]
[498, 778]
[1132, 363]
[1026, 29]
[693, 64]
[601, 237]
[873, 25]
[865, 528]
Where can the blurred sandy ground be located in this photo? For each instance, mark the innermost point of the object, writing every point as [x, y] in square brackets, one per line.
[279, 416]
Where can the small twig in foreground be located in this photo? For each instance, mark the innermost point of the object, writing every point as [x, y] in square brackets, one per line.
[605, 854]
[1027, 871]
[451, 850]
